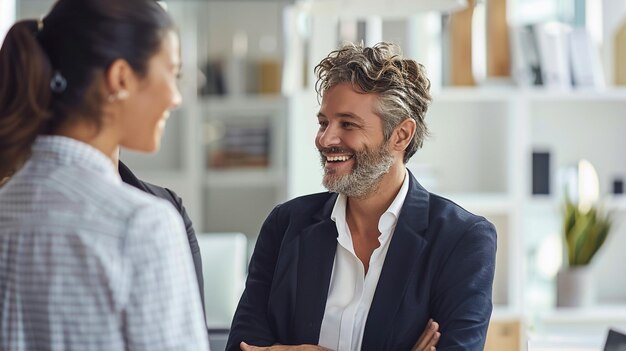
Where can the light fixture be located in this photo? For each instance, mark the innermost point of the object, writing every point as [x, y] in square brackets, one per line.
[381, 8]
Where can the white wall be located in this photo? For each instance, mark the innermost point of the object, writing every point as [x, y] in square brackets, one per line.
[7, 17]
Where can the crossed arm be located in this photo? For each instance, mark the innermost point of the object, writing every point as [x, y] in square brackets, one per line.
[427, 342]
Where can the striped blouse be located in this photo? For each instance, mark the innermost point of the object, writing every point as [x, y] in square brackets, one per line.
[90, 263]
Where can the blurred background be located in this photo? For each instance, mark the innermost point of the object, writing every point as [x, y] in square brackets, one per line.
[528, 106]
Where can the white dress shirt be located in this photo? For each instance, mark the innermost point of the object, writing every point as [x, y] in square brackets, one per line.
[89, 263]
[351, 290]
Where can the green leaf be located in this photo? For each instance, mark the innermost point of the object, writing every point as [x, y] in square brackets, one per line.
[584, 233]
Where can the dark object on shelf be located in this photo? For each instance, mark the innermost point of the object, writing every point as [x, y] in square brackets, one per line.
[214, 84]
[541, 173]
[615, 341]
[618, 186]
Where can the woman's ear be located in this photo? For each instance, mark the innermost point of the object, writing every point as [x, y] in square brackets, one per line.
[403, 134]
[119, 77]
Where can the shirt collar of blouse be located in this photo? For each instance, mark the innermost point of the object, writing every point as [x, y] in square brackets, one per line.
[60, 150]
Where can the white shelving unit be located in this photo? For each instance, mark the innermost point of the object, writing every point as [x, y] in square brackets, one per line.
[240, 197]
[227, 198]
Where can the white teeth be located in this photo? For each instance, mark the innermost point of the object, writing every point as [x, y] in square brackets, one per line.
[338, 158]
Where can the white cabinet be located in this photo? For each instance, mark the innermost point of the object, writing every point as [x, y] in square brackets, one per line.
[505, 129]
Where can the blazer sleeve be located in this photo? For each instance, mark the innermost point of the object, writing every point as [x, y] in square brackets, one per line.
[462, 297]
[193, 241]
[250, 323]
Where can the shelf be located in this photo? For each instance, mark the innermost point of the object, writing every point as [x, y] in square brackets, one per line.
[505, 313]
[243, 178]
[577, 328]
[566, 342]
[615, 203]
[474, 95]
[543, 203]
[252, 103]
[483, 203]
[509, 92]
[598, 314]
[606, 95]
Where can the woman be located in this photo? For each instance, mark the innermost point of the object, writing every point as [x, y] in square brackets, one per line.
[87, 262]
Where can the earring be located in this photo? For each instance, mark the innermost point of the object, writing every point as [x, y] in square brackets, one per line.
[118, 95]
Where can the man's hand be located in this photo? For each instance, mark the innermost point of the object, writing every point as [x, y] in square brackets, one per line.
[429, 338]
[246, 347]
[427, 342]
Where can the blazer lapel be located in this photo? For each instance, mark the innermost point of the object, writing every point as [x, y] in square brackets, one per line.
[400, 264]
[129, 178]
[318, 244]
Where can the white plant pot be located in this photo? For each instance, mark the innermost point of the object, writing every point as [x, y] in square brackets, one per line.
[575, 287]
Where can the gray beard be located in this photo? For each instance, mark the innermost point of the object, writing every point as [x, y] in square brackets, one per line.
[369, 169]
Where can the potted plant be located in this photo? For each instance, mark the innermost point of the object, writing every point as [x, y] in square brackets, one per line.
[585, 230]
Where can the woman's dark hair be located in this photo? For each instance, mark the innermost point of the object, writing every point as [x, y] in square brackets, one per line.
[75, 43]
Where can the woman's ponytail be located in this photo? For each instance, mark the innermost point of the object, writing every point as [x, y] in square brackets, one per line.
[25, 94]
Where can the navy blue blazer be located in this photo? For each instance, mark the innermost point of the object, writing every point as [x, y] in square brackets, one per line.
[129, 178]
[440, 264]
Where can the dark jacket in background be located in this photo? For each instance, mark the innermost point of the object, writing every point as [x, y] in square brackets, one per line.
[129, 178]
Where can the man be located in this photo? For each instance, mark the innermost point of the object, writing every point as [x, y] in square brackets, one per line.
[364, 266]
[129, 178]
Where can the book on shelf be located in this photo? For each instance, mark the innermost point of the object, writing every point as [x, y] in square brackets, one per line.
[556, 56]
[460, 47]
[619, 59]
[242, 147]
[525, 56]
[585, 59]
[552, 42]
[239, 76]
[268, 76]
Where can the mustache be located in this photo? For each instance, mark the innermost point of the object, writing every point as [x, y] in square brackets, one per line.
[335, 150]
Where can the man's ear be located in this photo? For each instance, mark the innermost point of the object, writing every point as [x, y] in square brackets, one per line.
[119, 77]
[403, 134]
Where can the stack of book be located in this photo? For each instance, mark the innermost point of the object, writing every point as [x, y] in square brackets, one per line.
[242, 146]
[241, 76]
[555, 55]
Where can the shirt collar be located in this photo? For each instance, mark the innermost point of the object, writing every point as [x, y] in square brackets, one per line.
[60, 150]
[387, 221]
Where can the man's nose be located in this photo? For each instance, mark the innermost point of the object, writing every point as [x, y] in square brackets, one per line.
[329, 137]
